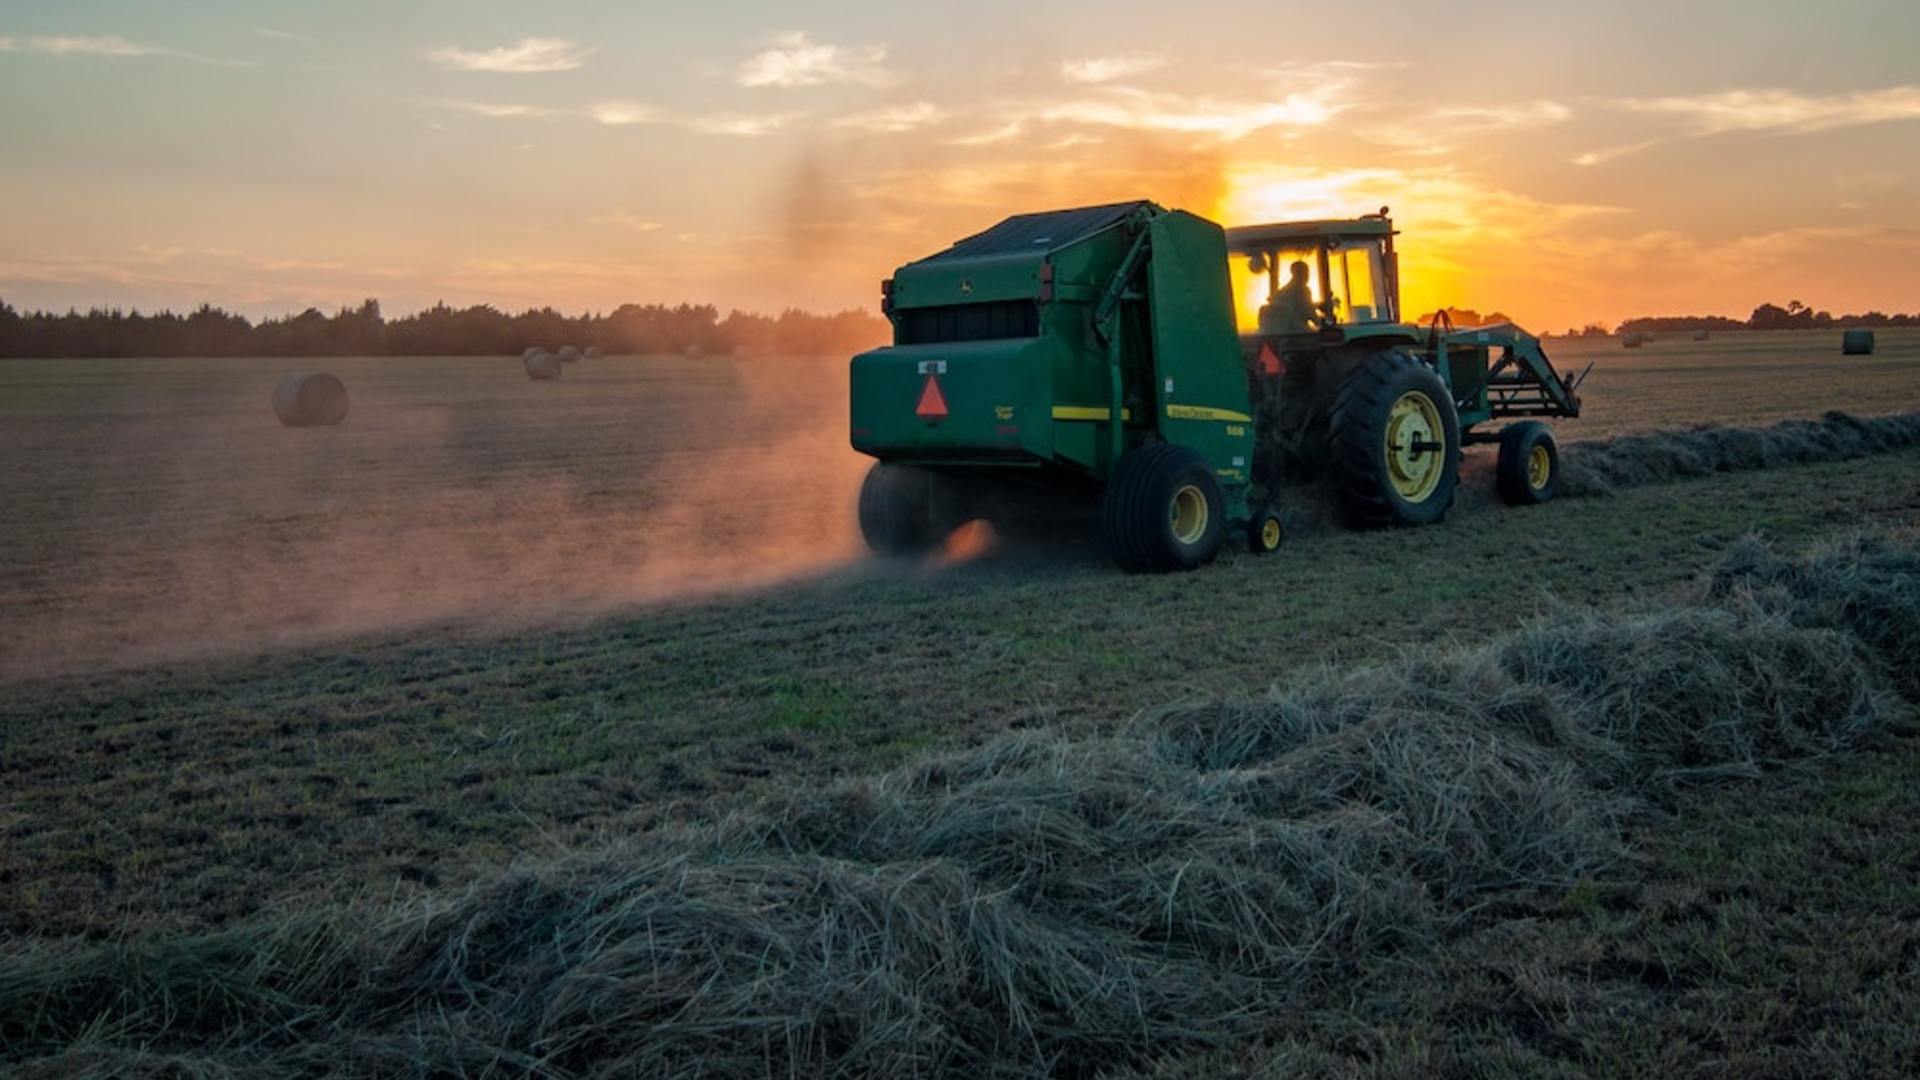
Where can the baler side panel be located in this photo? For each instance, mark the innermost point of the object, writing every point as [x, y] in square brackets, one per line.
[1080, 408]
[1199, 377]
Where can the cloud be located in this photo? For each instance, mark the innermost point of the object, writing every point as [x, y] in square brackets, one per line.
[527, 56]
[1606, 154]
[744, 125]
[279, 35]
[630, 114]
[893, 119]
[496, 110]
[1783, 110]
[1498, 117]
[1228, 119]
[622, 113]
[1004, 133]
[1100, 69]
[797, 60]
[625, 220]
[111, 45]
[1431, 132]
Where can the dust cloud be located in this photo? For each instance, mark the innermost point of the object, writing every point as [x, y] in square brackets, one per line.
[158, 512]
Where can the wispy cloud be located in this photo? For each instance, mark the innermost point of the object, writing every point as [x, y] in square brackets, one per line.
[623, 113]
[279, 35]
[1431, 132]
[1495, 117]
[741, 125]
[894, 119]
[1006, 132]
[1100, 69]
[496, 110]
[794, 59]
[1224, 118]
[1776, 112]
[1784, 110]
[624, 220]
[528, 56]
[111, 45]
[629, 114]
[1609, 153]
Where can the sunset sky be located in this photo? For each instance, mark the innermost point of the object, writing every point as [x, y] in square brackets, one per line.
[1563, 162]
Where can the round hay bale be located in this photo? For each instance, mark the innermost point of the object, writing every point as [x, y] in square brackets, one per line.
[1701, 335]
[530, 352]
[593, 352]
[1856, 343]
[543, 366]
[696, 351]
[569, 354]
[1633, 341]
[310, 400]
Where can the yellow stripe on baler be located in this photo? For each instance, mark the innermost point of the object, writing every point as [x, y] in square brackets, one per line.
[1087, 412]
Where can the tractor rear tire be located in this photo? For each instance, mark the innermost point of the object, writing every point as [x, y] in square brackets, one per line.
[1395, 443]
[1529, 469]
[897, 510]
[1163, 510]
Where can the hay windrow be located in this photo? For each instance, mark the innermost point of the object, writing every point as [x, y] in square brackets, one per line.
[1038, 906]
[1601, 468]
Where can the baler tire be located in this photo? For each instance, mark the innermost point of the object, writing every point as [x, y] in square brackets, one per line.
[1265, 533]
[1528, 472]
[897, 511]
[1153, 488]
[1358, 432]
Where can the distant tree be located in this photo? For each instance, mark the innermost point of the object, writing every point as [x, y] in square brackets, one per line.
[1677, 324]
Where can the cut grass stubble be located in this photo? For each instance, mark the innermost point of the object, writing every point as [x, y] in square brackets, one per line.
[1039, 906]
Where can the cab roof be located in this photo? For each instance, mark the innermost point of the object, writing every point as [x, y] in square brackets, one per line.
[1280, 234]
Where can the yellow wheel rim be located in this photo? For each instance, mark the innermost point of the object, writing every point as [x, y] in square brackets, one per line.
[1270, 534]
[1539, 468]
[1416, 446]
[1189, 514]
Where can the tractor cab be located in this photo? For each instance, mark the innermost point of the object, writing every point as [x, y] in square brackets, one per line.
[1325, 280]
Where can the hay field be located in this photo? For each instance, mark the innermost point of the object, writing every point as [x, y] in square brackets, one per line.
[400, 847]
[157, 510]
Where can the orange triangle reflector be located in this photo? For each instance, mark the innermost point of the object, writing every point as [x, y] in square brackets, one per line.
[1270, 362]
[933, 403]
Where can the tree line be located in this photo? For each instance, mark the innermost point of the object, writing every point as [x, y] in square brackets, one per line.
[438, 331]
[1795, 316]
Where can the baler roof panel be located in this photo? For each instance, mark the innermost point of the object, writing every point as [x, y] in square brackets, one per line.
[1037, 234]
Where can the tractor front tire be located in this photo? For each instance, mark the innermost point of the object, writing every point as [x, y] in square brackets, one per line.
[1529, 468]
[1395, 442]
[897, 512]
[1163, 510]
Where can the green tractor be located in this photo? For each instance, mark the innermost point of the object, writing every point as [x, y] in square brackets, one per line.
[1177, 377]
